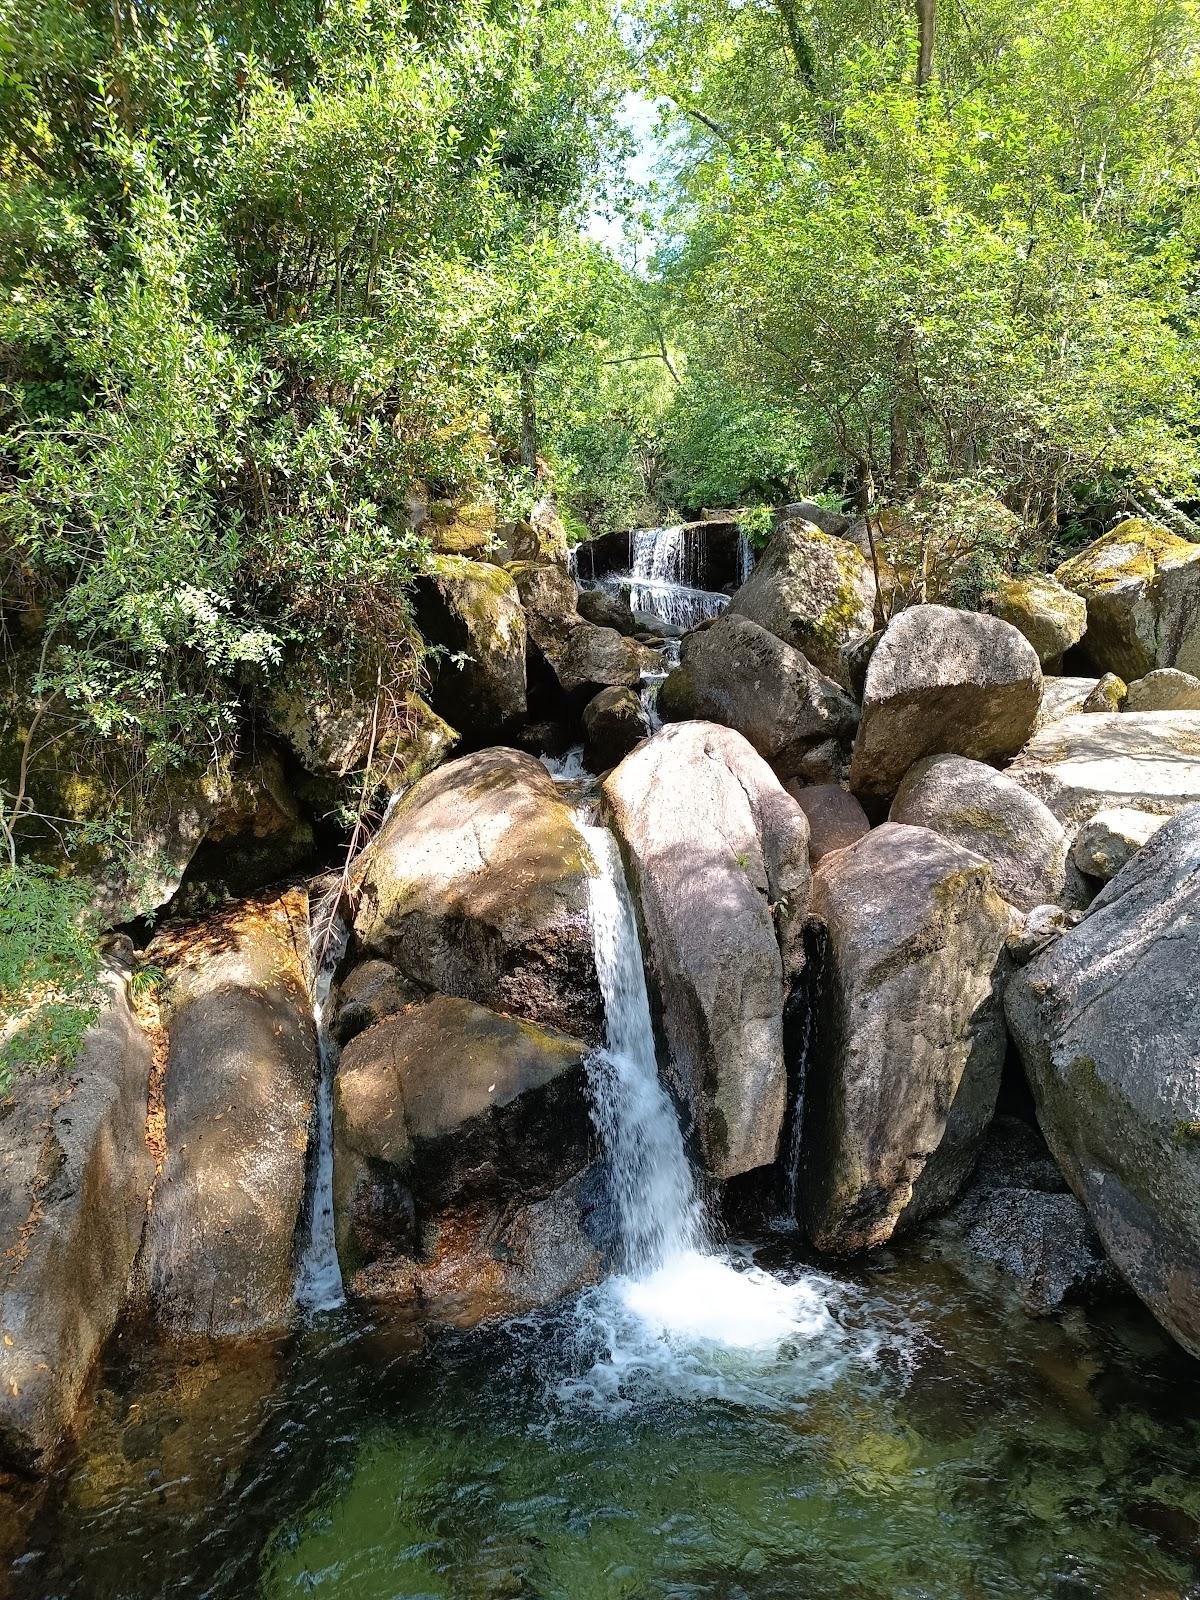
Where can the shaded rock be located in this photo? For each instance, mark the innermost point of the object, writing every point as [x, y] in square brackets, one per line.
[456, 1130]
[540, 537]
[477, 886]
[1014, 1155]
[835, 818]
[717, 857]
[461, 527]
[1063, 697]
[575, 657]
[613, 723]
[218, 1254]
[1109, 839]
[943, 682]
[812, 590]
[1109, 1031]
[76, 1173]
[856, 658]
[1107, 695]
[1051, 617]
[982, 810]
[259, 835]
[1084, 764]
[1142, 588]
[1165, 689]
[608, 611]
[1044, 1243]
[1029, 935]
[905, 1068]
[472, 612]
[740, 675]
[368, 993]
[601, 658]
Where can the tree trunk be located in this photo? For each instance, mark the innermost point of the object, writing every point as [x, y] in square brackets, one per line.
[529, 429]
[926, 29]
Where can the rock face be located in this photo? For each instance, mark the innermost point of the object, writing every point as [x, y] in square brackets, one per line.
[717, 857]
[1050, 616]
[1142, 588]
[811, 589]
[835, 818]
[456, 1130]
[1108, 695]
[905, 1068]
[477, 886]
[1165, 689]
[1109, 839]
[76, 1173]
[1109, 1031]
[613, 723]
[1089, 763]
[736, 673]
[975, 806]
[472, 611]
[943, 682]
[219, 1250]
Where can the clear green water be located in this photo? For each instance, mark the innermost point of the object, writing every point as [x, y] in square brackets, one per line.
[927, 1440]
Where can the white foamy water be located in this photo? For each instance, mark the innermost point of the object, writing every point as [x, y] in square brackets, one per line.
[319, 1276]
[681, 1317]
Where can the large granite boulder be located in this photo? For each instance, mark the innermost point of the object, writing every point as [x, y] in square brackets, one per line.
[1109, 1031]
[460, 1140]
[219, 1250]
[982, 810]
[1142, 588]
[1050, 616]
[736, 673]
[614, 721]
[608, 610]
[943, 682]
[477, 886]
[472, 612]
[76, 1174]
[811, 589]
[905, 1066]
[1148, 761]
[717, 858]
[1165, 689]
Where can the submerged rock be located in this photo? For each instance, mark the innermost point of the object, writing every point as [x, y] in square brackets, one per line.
[981, 809]
[905, 1068]
[1142, 588]
[811, 589]
[717, 857]
[472, 612]
[457, 1131]
[218, 1256]
[76, 1173]
[613, 723]
[477, 886]
[1050, 616]
[1088, 763]
[736, 673]
[943, 682]
[1109, 1031]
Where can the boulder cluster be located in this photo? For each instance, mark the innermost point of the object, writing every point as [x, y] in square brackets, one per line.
[886, 871]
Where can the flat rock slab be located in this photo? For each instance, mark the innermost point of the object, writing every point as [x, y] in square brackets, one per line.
[1149, 761]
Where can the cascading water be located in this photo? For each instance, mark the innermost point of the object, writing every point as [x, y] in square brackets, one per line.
[666, 568]
[319, 1277]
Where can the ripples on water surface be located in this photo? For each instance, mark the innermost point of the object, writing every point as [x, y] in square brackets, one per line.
[900, 1434]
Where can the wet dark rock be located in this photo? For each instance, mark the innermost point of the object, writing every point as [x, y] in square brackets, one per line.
[607, 610]
[370, 992]
[472, 611]
[613, 723]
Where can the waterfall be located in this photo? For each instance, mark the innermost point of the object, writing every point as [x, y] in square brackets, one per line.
[745, 559]
[666, 566]
[658, 1214]
[319, 1277]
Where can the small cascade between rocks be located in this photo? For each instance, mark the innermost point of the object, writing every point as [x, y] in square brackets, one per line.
[319, 1274]
[666, 566]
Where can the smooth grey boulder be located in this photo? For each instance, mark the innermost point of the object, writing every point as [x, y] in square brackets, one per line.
[831, 522]
[977, 807]
[472, 611]
[1050, 616]
[1147, 761]
[1142, 588]
[607, 610]
[457, 1133]
[811, 589]
[905, 1066]
[835, 818]
[1108, 840]
[218, 1256]
[740, 675]
[477, 886]
[1165, 689]
[614, 721]
[717, 858]
[76, 1174]
[1109, 1030]
[943, 682]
